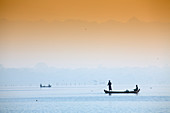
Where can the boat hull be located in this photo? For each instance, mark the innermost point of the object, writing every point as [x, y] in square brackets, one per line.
[45, 86]
[121, 92]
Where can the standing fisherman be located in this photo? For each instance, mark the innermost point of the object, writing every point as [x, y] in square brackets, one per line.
[109, 84]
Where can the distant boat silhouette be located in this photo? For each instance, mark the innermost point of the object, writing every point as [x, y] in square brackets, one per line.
[41, 86]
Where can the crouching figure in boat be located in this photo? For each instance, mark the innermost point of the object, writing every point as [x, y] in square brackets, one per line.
[136, 89]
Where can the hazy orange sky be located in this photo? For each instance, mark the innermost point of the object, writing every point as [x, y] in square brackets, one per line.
[85, 33]
[90, 10]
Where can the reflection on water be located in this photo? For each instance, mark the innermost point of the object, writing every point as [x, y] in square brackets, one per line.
[83, 99]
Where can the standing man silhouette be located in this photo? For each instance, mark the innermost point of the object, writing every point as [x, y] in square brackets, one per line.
[109, 84]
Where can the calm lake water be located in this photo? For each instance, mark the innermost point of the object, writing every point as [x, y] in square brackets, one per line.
[83, 99]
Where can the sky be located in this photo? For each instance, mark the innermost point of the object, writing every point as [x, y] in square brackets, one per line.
[85, 33]
[89, 10]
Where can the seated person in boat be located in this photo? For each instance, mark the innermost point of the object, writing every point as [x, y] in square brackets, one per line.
[136, 89]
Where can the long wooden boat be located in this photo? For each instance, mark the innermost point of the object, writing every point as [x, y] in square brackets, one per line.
[127, 91]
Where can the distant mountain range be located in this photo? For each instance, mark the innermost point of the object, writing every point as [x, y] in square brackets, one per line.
[44, 74]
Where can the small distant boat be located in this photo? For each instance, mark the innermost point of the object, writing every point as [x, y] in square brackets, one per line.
[41, 86]
[126, 91]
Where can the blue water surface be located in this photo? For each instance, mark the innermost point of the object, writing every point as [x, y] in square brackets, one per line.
[83, 99]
